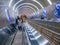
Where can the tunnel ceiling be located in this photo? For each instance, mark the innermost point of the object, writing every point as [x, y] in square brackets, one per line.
[26, 6]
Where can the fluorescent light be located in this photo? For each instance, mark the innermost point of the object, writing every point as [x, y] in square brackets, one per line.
[37, 37]
[45, 42]
[29, 7]
[16, 4]
[49, 2]
[28, 4]
[10, 3]
[8, 18]
[6, 13]
[38, 3]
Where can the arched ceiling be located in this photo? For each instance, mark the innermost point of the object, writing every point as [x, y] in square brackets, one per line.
[18, 7]
[25, 10]
[35, 4]
[26, 6]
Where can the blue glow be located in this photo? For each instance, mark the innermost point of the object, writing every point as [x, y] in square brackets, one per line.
[7, 15]
[44, 13]
[58, 6]
[8, 18]
[57, 13]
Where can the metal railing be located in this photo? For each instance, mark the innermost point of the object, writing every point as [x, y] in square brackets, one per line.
[7, 34]
[34, 37]
[52, 36]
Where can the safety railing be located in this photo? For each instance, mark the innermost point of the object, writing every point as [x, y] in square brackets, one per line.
[7, 34]
[52, 36]
[34, 37]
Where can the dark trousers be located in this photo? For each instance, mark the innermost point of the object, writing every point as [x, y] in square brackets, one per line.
[20, 27]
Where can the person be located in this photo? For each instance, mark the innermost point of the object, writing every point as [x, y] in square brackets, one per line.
[18, 23]
[17, 20]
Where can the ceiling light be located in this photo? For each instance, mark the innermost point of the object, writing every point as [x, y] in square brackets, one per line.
[29, 7]
[27, 4]
[38, 3]
[49, 2]
[16, 4]
[10, 3]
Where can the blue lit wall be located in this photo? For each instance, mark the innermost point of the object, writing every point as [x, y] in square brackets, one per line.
[7, 15]
[44, 13]
[57, 12]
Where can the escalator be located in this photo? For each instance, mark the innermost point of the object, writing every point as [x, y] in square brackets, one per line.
[10, 35]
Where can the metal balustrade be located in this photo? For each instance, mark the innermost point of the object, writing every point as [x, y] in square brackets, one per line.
[35, 38]
[7, 35]
[49, 34]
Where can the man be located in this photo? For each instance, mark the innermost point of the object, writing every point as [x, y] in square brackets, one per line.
[17, 20]
[18, 23]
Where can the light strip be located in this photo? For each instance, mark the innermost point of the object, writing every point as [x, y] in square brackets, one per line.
[44, 43]
[25, 11]
[29, 7]
[34, 32]
[38, 3]
[22, 0]
[17, 3]
[36, 37]
[49, 2]
[28, 4]
[6, 13]
[29, 12]
[8, 18]
[10, 3]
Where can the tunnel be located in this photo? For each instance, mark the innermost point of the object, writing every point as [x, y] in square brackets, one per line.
[29, 22]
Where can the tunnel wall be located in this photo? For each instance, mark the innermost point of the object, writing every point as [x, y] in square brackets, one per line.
[3, 22]
[50, 11]
[4, 17]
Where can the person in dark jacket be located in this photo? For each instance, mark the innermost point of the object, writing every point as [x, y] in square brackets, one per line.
[19, 23]
[17, 19]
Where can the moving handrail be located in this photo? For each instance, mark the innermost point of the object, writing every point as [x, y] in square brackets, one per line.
[6, 33]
